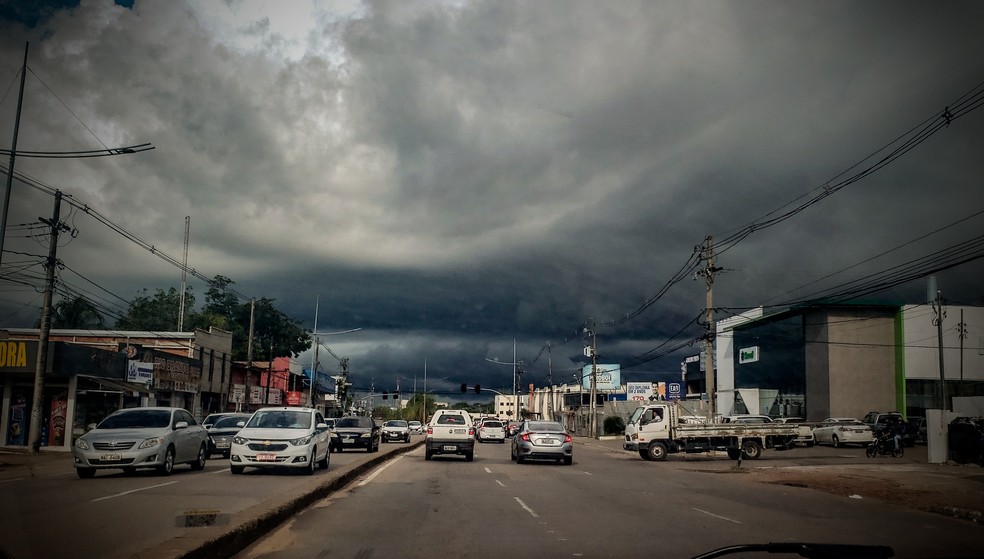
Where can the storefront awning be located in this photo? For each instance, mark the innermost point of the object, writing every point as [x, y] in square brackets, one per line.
[116, 384]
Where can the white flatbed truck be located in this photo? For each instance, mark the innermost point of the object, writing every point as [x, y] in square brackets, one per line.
[656, 430]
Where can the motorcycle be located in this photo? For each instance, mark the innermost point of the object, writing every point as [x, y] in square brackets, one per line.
[883, 445]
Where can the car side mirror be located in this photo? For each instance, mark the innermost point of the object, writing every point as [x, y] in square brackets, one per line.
[322, 426]
[181, 425]
[241, 424]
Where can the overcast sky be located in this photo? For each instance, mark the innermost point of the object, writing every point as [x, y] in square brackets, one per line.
[450, 176]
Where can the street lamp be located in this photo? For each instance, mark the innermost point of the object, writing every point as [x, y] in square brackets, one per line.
[514, 364]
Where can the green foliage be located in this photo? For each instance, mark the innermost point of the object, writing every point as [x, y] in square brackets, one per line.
[614, 425]
[274, 333]
[76, 313]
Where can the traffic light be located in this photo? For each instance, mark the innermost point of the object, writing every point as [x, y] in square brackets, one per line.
[464, 388]
[478, 389]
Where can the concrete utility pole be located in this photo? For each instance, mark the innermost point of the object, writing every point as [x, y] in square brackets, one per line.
[709, 333]
[184, 276]
[962, 333]
[34, 432]
[249, 351]
[938, 322]
[593, 419]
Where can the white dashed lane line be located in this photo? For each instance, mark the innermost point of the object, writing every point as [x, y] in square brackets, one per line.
[716, 516]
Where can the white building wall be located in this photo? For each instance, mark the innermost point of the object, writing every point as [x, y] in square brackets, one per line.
[724, 351]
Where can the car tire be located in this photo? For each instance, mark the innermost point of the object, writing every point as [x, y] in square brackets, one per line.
[428, 454]
[520, 459]
[512, 455]
[835, 441]
[167, 467]
[236, 470]
[309, 470]
[657, 452]
[323, 464]
[85, 473]
[199, 463]
[469, 456]
[568, 460]
[751, 450]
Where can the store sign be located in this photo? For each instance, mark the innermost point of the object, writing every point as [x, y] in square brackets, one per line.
[748, 355]
[607, 377]
[140, 373]
[293, 398]
[18, 355]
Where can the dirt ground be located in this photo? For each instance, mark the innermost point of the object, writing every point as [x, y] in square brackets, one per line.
[919, 490]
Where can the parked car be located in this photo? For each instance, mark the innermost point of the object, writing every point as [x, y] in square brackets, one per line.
[357, 432]
[916, 428]
[547, 440]
[396, 430]
[221, 432]
[746, 418]
[416, 427]
[132, 438]
[804, 433]
[490, 430]
[282, 437]
[842, 430]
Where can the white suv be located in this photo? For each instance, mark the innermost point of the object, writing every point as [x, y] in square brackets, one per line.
[283, 437]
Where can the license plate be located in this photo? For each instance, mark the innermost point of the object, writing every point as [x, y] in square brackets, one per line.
[110, 457]
[449, 448]
[458, 431]
[549, 442]
[266, 457]
[221, 445]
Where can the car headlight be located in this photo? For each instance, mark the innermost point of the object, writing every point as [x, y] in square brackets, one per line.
[82, 444]
[365, 435]
[302, 440]
[240, 440]
[151, 442]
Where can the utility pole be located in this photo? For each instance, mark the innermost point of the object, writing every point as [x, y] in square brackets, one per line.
[34, 432]
[550, 403]
[13, 151]
[184, 276]
[940, 313]
[962, 333]
[593, 420]
[709, 327]
[249, 351]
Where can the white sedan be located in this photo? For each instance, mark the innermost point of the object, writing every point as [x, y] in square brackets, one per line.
[842, 430]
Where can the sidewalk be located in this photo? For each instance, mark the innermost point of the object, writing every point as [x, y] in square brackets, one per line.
[952, 489]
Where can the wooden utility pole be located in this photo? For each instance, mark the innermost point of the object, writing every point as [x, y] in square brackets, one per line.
[13, 153]
[938, 322]
[249, 351]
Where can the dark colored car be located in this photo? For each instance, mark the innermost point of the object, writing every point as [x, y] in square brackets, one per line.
[357, 432]
[221, 432]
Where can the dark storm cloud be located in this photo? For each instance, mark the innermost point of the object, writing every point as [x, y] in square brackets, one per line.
[450, 176]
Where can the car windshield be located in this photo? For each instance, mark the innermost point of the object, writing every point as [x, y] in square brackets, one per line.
[492, 424]
[228, 422]
[137, 419]
[349, 422]
[280, 419]
[546, 427]
[395, 424]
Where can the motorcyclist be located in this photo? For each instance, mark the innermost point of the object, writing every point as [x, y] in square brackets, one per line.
[896, 429]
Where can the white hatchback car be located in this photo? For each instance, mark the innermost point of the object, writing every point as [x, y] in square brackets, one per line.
[283, 437]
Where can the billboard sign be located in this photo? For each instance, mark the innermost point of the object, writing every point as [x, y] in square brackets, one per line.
[748, 355]
[609, 377]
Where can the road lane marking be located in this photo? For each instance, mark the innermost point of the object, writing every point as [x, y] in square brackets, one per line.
[15, 479]
[500, 483]
[222, 471]
[716, 516]
[488, 470]
[526, 508]
[379, 471]
[132, 491]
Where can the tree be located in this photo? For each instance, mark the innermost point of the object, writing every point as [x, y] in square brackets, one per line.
[76, 313]
[158, 312]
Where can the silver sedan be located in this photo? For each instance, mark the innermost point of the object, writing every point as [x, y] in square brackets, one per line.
[547, 440]
[842, 430]
[127, 439]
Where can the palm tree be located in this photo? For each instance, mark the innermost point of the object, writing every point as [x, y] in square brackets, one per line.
[76, 313]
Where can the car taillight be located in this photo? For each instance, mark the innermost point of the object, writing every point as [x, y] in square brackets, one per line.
[568, 439]
[525, 437]
[430, 430]
[471, 431]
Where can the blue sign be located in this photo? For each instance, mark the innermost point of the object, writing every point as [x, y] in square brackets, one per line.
[674, 390]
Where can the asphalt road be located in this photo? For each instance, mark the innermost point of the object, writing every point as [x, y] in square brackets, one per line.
[605, 505]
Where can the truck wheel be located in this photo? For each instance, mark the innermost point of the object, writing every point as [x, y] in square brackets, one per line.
[734, 453]
[657, 452]
[644, 453]
[751, 449]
